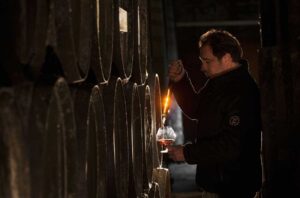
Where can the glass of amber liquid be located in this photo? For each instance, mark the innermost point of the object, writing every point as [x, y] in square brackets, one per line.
[165, 136]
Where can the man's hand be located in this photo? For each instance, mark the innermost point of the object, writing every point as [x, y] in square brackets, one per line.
[176, 153]
[176, 70]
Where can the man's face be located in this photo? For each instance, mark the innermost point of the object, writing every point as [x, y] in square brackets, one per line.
[211, 65]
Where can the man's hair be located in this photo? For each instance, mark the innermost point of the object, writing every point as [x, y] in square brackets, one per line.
[222, 42]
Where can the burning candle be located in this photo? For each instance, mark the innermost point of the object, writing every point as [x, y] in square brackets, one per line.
[166, 102]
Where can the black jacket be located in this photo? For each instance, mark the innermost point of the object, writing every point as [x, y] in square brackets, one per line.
[227, 146]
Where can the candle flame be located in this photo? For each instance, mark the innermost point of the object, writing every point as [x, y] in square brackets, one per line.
[166, 102]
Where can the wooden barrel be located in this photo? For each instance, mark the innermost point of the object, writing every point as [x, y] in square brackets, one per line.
[144, 195]
[35, 130]
[154, 191]
[124, 38]
[141, 42]
[136, 139]
[83, 38]
[117, 139]
[73, 28]
[147, 121]
[31, 105]
[154, 84]
[96, 169]
[30, 27]
[162, 177]
[23, 92]
[81, 94]
[14, 166]
[102, 38]
[23, 19]
[41, 36]
[60, 160]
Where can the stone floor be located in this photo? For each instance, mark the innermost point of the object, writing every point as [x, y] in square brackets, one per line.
[183, 180]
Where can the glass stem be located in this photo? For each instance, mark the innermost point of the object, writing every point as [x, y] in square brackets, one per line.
[161, 156]
[161, 159]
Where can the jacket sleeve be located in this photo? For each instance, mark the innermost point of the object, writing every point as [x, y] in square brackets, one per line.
[241, 122]
[186, 96]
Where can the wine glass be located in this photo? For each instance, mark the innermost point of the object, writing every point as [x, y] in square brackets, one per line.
[165, 136]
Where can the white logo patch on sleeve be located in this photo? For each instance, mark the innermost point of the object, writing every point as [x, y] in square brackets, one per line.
[234, 120]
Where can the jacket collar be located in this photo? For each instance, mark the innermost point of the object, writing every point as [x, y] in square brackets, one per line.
[232, 74]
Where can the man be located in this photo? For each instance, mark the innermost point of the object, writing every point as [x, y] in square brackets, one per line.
[227, 146]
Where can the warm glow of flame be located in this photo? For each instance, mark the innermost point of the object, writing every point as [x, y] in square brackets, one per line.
[167, 99]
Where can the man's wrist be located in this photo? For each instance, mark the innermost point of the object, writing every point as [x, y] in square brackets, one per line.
[180, 76]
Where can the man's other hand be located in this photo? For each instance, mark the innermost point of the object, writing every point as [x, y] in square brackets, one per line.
[176, 70]
[176, 153]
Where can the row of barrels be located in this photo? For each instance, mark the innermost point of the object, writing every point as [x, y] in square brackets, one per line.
[98, 36]
[81, 140]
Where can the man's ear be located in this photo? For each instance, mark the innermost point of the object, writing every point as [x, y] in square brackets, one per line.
[227, 59]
